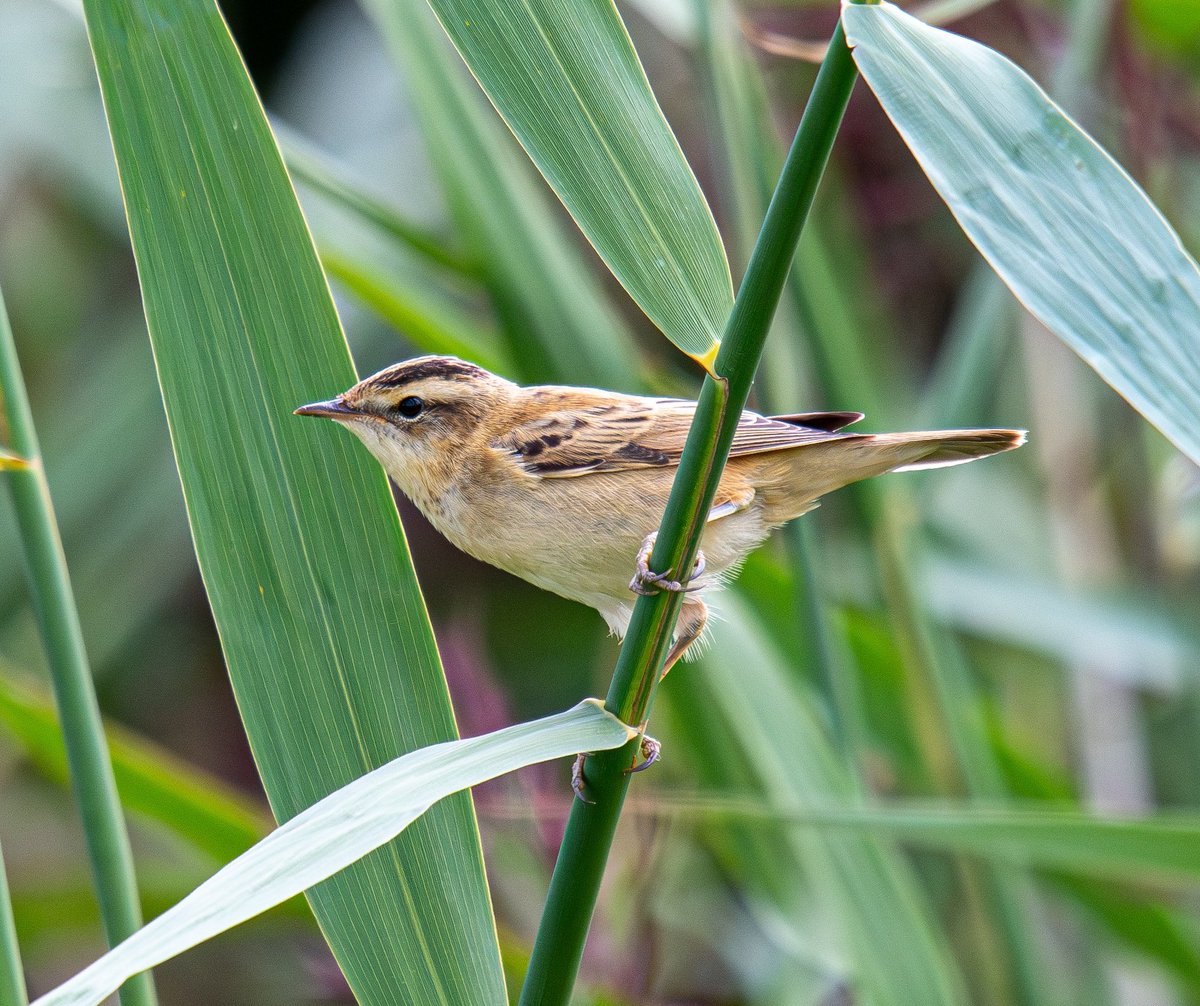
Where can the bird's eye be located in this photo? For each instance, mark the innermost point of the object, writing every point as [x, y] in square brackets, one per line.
[411, 407]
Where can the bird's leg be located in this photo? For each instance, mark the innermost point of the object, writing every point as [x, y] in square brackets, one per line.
[691, 625]
[651, 752]
[646, 582]
[693, 618]
[577, 781]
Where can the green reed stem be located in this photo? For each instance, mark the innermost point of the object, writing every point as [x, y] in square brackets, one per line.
[575, 884]
[58, 621]
[12, 979]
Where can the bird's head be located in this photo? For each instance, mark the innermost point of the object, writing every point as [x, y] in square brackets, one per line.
[418, 418]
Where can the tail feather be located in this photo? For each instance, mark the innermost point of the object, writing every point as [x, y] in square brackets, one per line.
[790, 482]
[944, 448]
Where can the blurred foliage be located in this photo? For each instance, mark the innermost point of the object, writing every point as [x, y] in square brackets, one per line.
[1058, 589]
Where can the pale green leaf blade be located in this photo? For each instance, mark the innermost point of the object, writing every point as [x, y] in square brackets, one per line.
[323, 627]
[569, 84]
[335, 832]
[1066, 228]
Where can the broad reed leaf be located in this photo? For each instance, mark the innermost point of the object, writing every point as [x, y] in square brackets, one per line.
[1073, 236]
[328, 645]
[567, 81]
[336, 832]
[559, 321]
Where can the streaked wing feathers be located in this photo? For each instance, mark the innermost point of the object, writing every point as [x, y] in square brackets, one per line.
[618, 433]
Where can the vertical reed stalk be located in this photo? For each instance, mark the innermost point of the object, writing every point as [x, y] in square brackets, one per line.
[58, 621]
[575, 885]
[12, 980]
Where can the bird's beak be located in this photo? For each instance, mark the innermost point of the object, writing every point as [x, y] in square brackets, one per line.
[335, 408]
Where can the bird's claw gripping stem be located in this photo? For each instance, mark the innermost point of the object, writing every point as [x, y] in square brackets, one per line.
[648, 583]
[651, 752]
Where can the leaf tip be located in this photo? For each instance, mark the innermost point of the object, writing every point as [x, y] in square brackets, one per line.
[630, 732]
[12, 461]
[708, 358]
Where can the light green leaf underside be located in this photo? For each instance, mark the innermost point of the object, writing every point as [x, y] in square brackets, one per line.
[1066, 228]
[336, 832]
[322, 624]
[567, 81]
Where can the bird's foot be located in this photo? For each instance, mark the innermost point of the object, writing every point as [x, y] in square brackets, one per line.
[577, 782]
[651, 752]
[648, 583]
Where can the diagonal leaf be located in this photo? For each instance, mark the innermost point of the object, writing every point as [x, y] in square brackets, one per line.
[567, 81]
[558, 318]
[1076, 240]
[310, 167]
[328, 645]
[431, 323]
[335, 832]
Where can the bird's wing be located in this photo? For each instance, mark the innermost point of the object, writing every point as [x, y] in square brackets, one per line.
[617, 433]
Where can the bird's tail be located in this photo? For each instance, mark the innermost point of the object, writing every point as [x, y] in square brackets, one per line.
[943, 448]
[809, 472]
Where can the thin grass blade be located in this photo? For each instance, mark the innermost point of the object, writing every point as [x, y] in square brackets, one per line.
[430, 322]
[336, 832]
[12, 976]
[1164, 848]
[310, 167]
[53, 600]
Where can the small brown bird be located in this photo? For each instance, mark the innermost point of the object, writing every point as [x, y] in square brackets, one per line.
[565, 487]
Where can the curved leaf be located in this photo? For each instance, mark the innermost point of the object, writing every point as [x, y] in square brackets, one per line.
[1072, 235]
[335, 832]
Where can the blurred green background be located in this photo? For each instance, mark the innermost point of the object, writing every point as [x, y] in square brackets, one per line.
[1024, 628]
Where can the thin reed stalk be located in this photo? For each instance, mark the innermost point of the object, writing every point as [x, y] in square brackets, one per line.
[58, 621]
[575, 885]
